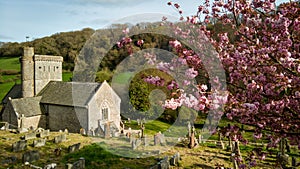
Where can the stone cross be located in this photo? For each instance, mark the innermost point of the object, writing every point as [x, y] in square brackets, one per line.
[107, 130]
[143, 129]
[189, 128]
[192, 138]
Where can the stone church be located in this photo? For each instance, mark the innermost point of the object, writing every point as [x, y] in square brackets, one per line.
[43, 100]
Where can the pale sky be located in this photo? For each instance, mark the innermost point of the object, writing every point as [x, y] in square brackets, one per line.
[39, 18]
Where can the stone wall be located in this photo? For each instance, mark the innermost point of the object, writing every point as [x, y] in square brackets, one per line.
[30, 122]
[9, 115]
[64, 117]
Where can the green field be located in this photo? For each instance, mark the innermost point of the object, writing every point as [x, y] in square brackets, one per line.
[10, 63]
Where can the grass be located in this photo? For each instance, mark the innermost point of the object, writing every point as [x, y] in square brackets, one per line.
[67, 76]
[122, 78]
[10, 63]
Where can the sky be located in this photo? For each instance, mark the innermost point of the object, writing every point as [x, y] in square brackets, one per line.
[39, 18]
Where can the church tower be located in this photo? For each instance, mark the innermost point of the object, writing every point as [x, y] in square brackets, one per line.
[38, 71]
[27, 75]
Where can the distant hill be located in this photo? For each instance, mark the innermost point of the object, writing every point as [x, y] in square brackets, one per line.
[66, 44]
[2, 43]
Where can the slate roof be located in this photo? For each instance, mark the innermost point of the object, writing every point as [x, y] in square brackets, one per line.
[68, 93]
[14, 93]
[29, 106]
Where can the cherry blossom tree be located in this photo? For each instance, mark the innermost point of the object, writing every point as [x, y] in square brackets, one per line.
[262, 65]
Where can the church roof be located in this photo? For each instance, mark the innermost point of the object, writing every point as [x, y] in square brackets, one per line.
[29, 106]
[68, 93]
[14, 92]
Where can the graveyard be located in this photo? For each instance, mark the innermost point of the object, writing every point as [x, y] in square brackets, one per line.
[61, 149]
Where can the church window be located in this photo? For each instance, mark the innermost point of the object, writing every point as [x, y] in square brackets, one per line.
[105, 112]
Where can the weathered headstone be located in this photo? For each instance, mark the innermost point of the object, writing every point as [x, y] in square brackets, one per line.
[74, 147]
[19, 146]
[60, 138]
[133, 144]
[50, 166]
[164, 164]
[39, 143]
[44, 133]
[29, 136]
[66, 131]
[82, 132]
[9, 160]
[138, 142]
[145, 141]
[159, 139]
[80, 164]
[174, 159]
[31, 156]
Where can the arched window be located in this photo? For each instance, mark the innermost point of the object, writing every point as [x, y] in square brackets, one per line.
[105, 111]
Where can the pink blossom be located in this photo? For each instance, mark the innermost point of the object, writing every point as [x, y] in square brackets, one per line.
[191, 73]
[140, 42]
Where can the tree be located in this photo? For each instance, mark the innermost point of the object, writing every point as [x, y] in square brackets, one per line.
[262, 63]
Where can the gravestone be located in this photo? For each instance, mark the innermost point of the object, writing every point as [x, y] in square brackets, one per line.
[31, 156]
[80, 164]
[74, 147]
[39, 143]
[66, 131]
[133, 145]
[159, 139]
[19, 146]
[145, 141]
[44, 133]
[164, 164]
[61, 138]
[192, 138]
[29, 136]
[138, 143]
[50, 166]
[82, 132]
[9, 160]
[175, 159]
